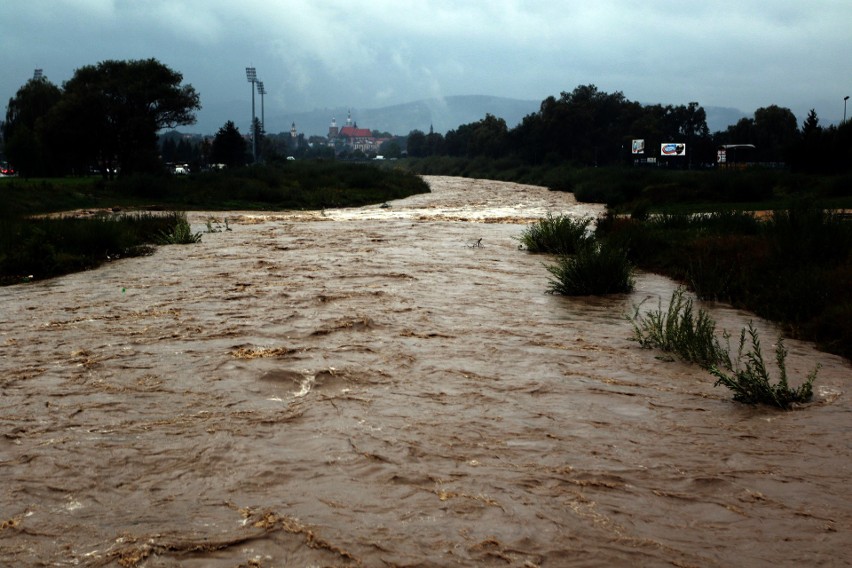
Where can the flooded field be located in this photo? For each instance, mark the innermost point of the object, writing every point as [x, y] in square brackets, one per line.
[392, 386]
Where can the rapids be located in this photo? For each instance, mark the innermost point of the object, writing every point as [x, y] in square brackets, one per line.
[392, 386]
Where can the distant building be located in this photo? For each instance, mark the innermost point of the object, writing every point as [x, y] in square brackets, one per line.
[353, 138]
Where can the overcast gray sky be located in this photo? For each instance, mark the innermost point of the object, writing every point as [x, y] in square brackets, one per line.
[313, 54]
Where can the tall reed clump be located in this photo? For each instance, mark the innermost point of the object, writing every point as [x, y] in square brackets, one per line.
[559, 234]
[751, 383]
[680, 330]
[179, 234]
[596, 269]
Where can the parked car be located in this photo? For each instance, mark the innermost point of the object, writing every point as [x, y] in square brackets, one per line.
[6, 170]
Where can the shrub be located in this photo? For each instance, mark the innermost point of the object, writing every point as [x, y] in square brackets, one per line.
[597, 269]
[678, 330]
[556, 235]
[751, 384]
[180, 234]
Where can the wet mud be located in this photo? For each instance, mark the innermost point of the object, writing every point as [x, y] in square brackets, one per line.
[392, 386]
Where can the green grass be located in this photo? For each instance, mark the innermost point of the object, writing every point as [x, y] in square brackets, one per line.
[45, 247]
[302, 184]
[793, 267]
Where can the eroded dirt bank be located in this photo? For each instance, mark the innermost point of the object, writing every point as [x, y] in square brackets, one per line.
[369, 387]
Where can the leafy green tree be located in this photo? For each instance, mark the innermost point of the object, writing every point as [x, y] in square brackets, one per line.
[586, 125]
[809, 154]
[390, 149]
[775, 132]
[24, 132]
[122, 105]
[229, 147]
[489, 137]
[416, 144]
[435, 144]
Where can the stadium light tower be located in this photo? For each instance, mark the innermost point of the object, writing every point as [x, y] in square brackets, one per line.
[38, 74]
[251, 75]
[846, 98]
[261, 91]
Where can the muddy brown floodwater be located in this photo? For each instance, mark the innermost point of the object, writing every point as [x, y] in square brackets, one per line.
[380, 387]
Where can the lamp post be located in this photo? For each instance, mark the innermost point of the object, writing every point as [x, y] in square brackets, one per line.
[251, 75]
[846, 98]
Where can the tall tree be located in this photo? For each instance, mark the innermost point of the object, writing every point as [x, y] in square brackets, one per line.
[775, 131]
[229, 147]
[24, 129]
[123, 104]
[416, 144]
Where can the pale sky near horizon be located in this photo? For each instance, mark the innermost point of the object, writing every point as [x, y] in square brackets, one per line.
[335, 53]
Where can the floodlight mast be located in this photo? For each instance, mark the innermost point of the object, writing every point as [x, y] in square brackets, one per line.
[251, 75]
[846, 98]
[38, 75]
[261, 91]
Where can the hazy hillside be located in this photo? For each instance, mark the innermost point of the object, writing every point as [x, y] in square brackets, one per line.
[441, 114]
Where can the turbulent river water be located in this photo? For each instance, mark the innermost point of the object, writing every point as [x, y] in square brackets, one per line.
[393, 386]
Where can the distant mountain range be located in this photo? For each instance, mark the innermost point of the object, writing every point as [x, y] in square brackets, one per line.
[442, 114]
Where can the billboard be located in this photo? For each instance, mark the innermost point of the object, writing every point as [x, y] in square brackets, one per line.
[638, 147]
[672, 149]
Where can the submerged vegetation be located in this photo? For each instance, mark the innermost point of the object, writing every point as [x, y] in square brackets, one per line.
[597, 268]
[585, 266]
[693, 338]
[681, 331]
[556, 234]
[749, 379]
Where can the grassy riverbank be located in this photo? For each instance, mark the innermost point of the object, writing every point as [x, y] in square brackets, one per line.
[766, 240]
[625, 189]
[33, 248]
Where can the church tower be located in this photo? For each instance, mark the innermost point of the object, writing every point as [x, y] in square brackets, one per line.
[333, 130]
[293, 131]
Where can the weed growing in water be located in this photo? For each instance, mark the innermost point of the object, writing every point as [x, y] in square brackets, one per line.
[556, 234]
[181, 233]
[681, 331]
[751, 384]
[693, 338]
[597, 269]
[218, 227]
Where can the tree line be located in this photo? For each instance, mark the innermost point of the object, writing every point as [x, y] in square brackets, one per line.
[590, 127]
[106, 117]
